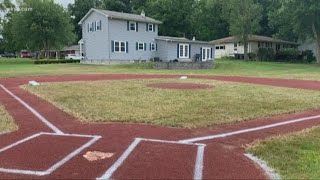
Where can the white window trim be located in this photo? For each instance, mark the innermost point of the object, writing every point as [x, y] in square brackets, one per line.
[114, 47]
[152, 26]
[184, 51]
[206, 49]
[135, 26]
[139, 43]
[98, 25]
[155, 47]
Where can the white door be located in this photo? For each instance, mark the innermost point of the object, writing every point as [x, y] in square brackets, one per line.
[206, 54]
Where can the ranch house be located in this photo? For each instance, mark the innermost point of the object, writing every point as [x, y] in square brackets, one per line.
[110, 37]
[231, 46]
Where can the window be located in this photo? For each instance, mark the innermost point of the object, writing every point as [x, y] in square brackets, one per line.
[217, 47]
[120, 47]
[184, 50]
[141, 46]
[99, 23]
[150, 27]
[132, 26]
[235, 46]
[222, 47]
[153, 47]
[206, 53]
[90, 27]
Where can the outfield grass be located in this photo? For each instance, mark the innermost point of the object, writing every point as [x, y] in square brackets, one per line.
[294, 156]
[22, 67]
[133, 101]
[6, 121]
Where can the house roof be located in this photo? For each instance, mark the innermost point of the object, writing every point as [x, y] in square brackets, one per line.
[180, 39]
[122, 16]
[71, 48]
[254, 38]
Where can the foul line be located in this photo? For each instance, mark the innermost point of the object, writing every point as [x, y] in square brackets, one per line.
[248, 130]
[33, 111]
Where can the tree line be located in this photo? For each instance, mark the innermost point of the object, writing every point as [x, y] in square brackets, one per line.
[207, 20]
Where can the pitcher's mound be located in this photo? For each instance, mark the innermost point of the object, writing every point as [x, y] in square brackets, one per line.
[181, 86]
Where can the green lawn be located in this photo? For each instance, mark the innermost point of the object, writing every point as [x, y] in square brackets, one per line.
[294, 156]
[133, 101]
[6, 121]
[13, 68]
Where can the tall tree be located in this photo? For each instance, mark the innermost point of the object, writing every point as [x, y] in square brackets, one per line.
[78, 10]
[7, 8]
[42, 24]
[244, 17]
[117, 5]
[301, 18]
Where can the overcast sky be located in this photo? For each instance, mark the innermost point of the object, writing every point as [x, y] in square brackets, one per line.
[65, 2]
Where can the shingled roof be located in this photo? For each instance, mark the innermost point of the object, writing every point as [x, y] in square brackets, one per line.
[122, 16]
[254, 38]
[180, 39]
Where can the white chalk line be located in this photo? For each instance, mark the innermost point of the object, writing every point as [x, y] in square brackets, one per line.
[210, 137]
[56, 165]
[198, 164]
[270, 172]
[33, 111]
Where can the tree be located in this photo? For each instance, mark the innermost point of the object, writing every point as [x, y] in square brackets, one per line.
[117, 5]
[7, 7]
[244, 17]
[78, 10]
[301, 18]
[42, 25]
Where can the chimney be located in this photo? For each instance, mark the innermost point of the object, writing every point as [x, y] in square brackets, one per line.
[143, 14]
[194, 38]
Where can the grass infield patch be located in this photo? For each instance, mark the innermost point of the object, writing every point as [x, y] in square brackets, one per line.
[6, 121]
[132, 101]
[294, 156]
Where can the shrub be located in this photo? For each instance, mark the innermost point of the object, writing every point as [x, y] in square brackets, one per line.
[252, 56]
[56, 61]
[288, 55]
[307, 56]
[266, 54]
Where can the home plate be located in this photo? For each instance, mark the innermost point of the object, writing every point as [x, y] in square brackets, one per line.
[156, 160]
[42, 153]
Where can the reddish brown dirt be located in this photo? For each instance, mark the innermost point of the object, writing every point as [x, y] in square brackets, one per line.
[180, 86]
[223, 157]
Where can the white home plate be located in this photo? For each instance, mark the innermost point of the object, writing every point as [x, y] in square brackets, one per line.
[96, 155]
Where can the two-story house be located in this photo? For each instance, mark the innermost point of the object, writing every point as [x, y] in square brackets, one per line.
[114, 37]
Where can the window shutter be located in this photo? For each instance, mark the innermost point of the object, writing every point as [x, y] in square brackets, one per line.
[137, 46]
[201, 54]
[145, 46]
[178, 46]
[154, 28]
[190, 51]
[156, 47]
[112, 46]
[127, 47]
[128, 25]
[150, 46]
[211, 53]
[100, 25]
[137, 27]
[147, 29]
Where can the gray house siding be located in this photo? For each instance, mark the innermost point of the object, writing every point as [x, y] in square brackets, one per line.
[118, 31]
[95, 43]
[168, 51]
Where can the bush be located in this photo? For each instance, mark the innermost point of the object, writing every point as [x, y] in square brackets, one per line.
[56, 61]
[252, 56]
[266, 54]
[308, 56]
[288, 55]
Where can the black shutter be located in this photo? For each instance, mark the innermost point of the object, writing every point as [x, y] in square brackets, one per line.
[137, 46]
[178, 46]
[156, 47]
[190, 51]
[127, 47]
[200, 54]
[128, 25]
[112, 46]
[147, 29]
[154, 28]
[137, 26]
[211, 53]
[145, 46]
[100, 25]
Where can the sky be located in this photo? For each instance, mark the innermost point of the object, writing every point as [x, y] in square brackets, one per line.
[65, 2]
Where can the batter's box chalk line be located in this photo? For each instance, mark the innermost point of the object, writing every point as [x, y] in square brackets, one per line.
[57, 164]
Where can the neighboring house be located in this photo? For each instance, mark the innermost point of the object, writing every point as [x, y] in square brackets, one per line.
[74, 50]
[114, 37]
[231, 46]
[308, 45]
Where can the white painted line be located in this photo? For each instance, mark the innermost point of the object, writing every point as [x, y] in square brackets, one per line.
[172, 142]
[249, 130]
[272, 174]
[20, 142]
[198, 170]
[71, 135]
[33, 111]
[120, 161]
[55, 166]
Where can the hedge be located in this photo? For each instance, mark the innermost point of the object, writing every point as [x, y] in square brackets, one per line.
[56, 61]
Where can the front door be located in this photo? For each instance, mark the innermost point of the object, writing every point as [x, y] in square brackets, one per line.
[206, 54]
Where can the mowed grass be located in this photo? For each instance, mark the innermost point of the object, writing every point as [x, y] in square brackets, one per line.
[294, 156]
[132, 101]
[24, 67]
[6, 121]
